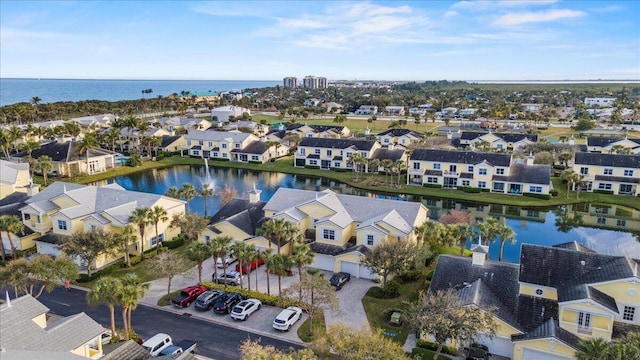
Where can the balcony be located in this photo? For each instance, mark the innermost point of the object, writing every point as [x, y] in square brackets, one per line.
[585, 330]
[451, 173]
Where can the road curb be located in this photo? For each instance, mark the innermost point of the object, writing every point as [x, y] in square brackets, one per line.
[173, 310]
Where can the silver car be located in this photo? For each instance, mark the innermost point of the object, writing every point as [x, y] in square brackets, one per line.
[231, 277]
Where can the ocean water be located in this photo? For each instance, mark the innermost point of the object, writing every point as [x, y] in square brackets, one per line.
[53, 90]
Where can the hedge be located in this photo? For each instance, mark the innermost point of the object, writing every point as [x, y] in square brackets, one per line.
[553, 192]
[173, 244]
[434, 186]
[255, 162]
[265, 298]
[608, 192]
[469, 189]
[433, 346]
[312, 167]
[538, 196]
[83, 278]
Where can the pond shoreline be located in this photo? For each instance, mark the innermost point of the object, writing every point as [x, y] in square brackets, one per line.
[371, 182]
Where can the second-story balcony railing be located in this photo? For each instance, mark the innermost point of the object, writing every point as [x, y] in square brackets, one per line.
[451, 173]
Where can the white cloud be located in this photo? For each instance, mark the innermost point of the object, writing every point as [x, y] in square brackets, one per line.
[450, 13]
[520, 18]
[483, 5]
[233, 9]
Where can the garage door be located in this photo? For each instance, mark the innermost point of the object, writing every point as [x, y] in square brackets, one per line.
[366, 273]
[529, 354]
[498, 345]
[349, 267]
[322, 262]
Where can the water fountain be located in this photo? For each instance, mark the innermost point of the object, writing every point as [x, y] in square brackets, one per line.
[208, 180]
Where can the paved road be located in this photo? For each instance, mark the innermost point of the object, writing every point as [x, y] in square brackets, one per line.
[214, 341]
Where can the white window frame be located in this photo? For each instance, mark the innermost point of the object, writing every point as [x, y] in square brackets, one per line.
[62, 225]
[607, 171]
[436, 166]
[482, 171]
[629, 313]
[371, 240]
[628, 172]
[328, 234]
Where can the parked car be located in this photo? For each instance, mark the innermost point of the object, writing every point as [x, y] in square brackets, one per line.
[188, 295]
[206, 300]
[183, 346]
[339, 279]
[226, 302]
[157, 343]
[230, 278]
[287, 318]
[245, 308]
[105, 338]
[248, 267]
[228, 258]
[477, 352]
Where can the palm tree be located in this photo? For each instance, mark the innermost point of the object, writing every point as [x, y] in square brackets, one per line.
[35, 101]
[11, 224]
[125, 238]
[105, 291]
[29, 146]
[505, 234]
[277, 229]
[206, 192]
[267, 255]
[488, 229]
[112, 135]
[387, 164]
[129, 294]
[253, 254]
[140, 217]
[219, 248]
[462, 232]
[188, 192]
[374, 164]
[568, 176]
[5, 142]
[199, 252]
[15, 134]
[279, 265]
[564, 158]
[156, 215]
[240, 251]
[173, 192]
[399, 165]
[302, 255]
[593, 349]
[44, 165]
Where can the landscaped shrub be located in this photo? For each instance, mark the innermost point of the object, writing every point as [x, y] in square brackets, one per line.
[469, 189]
[434, 186]
[312, 167]
[410, 276]
[376, 292]
[430, 274]
[134, 160]
[264, 298]
[102, 272]
[434, 347]
[538, 196]
[392, 289]
[173, 244]
[553, 192]
[160, 156]
[427, 283]
[608, 192]
[255, 162]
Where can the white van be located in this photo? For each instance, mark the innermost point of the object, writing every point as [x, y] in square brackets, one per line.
[157, 343]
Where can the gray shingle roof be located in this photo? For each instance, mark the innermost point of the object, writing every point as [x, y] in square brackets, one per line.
[254, 147]
[603, 141]
[65, 152]
[167, 140]
[573, 245]
[19, 332]
[461, 157]
[382, 154]
[530, 174]
[583, 291]
[9, 170]
[627, 161]
[395, 132]
[129, 350]
[234, 136]
[507, 137]
[549, 329]
[240, 213]
[622, 179]
[337, 143]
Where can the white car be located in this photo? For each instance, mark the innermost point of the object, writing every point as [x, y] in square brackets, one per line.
[105, 338]
[287, 318]
[245, 308]
[227, 258]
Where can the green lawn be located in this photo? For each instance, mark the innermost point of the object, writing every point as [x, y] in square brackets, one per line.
[378, 310]
[319, 328]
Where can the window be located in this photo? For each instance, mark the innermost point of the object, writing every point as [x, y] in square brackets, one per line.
[154, 240]
[196, 152]
[453, 168]
[336, 164]
[584, 321]
[498, 187]
[625, 189]
[628, 173]
[224, 145]
[628, 313]
[470, 168]
[432, 180]
[620, 222]
[215, 154]
[466, 182]
[349, 155]
[482, 171]
[27, 216]
[584, 170]
[200, 142]
[500, 146]
[386, 140]
[207, 239]
[328, 234]
[313, 162]
[601, 221]
[416, 166]
[436, 166]
[316, 151]
[237, 146]
[604, 186]
[607, 171]
[62, 225]
[302, 151]
[499, 171]
[370, 240]
[210, 144]
[225, 155]
[533, 213]
[363, 153]
[254, 157]
[482, 184]
[328, 152]
[535, 189]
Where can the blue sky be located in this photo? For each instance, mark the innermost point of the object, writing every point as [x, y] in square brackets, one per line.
[260, 40]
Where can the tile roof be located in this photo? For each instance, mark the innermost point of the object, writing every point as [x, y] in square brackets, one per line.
[382, 154]
[626, 161]
[555, 267]
[549, 329]
[316, 128]
[19, 332]
[241, 213]
[461, 157]
[337, 143]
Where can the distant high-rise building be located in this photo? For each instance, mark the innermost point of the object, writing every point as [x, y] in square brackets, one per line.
[315, 82]
[290, 82]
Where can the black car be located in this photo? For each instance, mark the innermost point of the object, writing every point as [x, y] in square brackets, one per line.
[226, 302]
[477, 352]
[338, 279]
[207, 299]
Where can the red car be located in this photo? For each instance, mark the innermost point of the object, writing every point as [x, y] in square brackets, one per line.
[188, 295]
[246, 269]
